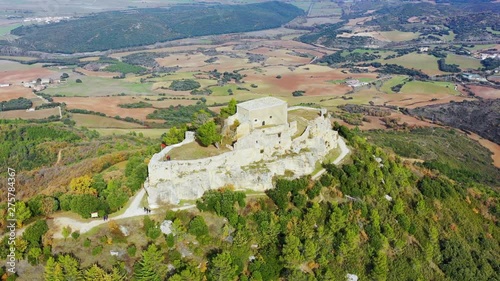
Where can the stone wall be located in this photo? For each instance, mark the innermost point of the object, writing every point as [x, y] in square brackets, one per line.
[256, 159]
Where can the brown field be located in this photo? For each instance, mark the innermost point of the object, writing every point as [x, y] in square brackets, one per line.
[491, 146]
[14, 92]
[314, 81]
[109, 105]
[102, 74]
[23, 114]
[19, 76]
[485, 92]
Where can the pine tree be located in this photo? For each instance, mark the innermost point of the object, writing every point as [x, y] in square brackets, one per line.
[69, 267]
[380, 267]
[96, 273]
[222, 268]
[291, 251]
[151, 267]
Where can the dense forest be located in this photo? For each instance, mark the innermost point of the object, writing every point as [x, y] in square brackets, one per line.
[114, 30]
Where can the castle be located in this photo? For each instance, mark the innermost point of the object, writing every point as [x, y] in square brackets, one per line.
[267, 144]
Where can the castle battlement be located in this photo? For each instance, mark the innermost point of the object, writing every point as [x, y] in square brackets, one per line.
[261, 153]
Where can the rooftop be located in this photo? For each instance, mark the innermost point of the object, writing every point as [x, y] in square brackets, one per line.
[261, 103]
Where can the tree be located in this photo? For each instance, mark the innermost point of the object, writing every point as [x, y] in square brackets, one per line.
[50, 270]
[207, 134]
[78, 81]
[35, 253]
[199, 118]
[175, 135]
[221, 268]
[22, 213]
[82, 185]
[64, 76]
[380, 267]
[198, 227]
[291, 251]
[96, 273]
[35, 231]
[229, 110]
[86, 204]
[151, 266]
[66, 232]
[49, 205]
[69, 266]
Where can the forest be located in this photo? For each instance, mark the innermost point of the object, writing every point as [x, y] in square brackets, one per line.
[122, 29]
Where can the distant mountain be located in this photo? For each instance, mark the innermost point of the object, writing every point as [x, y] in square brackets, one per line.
[114, 30]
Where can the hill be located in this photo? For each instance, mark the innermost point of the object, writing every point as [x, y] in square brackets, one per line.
[122, 29]
[480, 117]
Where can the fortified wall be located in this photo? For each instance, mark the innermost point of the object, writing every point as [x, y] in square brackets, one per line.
[263, 150]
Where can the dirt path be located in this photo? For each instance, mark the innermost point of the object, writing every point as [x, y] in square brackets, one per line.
[59, 156]
[344, 150]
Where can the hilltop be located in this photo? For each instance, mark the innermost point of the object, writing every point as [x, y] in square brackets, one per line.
[122, 29]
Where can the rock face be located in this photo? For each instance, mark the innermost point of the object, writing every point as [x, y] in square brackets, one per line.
[257, 157]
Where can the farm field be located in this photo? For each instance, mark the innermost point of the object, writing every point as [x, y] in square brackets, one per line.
[95, 121]
[98, 86]
[109, 105]
[463, 62]
[23, 114]
[485, 92]
[386, 87]
[424, 62]
[421, 87]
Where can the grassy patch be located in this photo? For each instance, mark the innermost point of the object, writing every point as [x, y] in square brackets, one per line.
[97, 86]
[386, 87]
[397, 36]
[433, 87]
[424, 62]
[194, 150]
[463, 61]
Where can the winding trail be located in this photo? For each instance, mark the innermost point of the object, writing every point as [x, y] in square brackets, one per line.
[344, 150]
[135, 207]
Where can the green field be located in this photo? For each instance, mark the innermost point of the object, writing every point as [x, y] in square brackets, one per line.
[424, 62]
[463, 61]
[481, 47]
[97, 86]
[433, 87]
[398, 36]
[489, 29]
[95, 121]
[386, 87]
[5, 29]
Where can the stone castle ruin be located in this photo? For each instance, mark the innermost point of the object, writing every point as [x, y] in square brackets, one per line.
[267, 144]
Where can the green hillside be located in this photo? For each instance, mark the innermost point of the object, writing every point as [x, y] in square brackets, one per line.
[114, 30]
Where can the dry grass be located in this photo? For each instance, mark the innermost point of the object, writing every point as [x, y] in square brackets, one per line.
[194, 150]
[23, 114]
